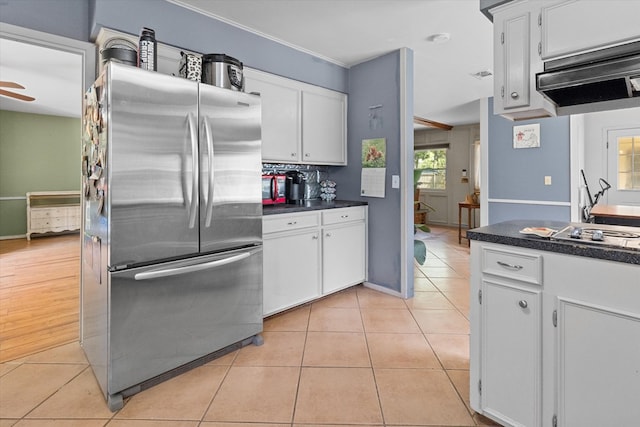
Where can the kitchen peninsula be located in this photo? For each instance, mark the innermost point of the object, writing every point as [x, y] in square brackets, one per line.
[555, 328]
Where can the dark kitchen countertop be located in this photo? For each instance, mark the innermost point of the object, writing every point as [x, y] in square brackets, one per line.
[508, 233]
[309, 205]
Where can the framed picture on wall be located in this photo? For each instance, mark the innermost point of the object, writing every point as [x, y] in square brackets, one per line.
[526, 136]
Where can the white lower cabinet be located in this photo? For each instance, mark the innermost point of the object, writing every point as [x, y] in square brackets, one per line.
[598, 365]
[511, 353]
[558, 346]
[291, 263]
[343, 256]
[308, 255]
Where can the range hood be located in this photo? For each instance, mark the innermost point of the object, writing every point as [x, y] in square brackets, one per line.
[604, 79]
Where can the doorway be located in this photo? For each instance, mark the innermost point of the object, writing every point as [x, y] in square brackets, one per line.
[84, 68]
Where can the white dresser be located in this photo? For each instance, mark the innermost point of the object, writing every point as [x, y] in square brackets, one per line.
[52, 211]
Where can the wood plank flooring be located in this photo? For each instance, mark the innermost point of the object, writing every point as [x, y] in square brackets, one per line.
[39, 294]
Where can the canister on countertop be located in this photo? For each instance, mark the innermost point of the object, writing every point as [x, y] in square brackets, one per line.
[147, 50]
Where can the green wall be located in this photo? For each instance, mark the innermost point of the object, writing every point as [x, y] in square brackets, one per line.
[37, 153]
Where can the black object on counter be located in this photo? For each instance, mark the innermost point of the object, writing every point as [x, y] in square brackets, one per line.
[147, 50]
[295, 182]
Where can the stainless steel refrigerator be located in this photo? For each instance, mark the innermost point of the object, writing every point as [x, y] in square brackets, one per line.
[172, 226]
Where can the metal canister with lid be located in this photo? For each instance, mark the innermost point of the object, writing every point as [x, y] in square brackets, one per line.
[222, 70]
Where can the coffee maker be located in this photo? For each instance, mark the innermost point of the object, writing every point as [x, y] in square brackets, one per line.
[295, 183]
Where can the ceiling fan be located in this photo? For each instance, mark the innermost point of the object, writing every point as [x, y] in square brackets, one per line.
[10, 94]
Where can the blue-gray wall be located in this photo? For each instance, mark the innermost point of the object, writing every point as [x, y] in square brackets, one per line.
[67, 18]
[517, 175]
[184, 28]
[174, 25]
[377, 82]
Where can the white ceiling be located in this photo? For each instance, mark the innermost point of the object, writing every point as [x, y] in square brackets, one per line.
[52, 77]
[346, 32]
[349, 32]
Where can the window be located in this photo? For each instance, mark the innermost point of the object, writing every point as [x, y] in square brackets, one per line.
[434, 164]
[629, 162]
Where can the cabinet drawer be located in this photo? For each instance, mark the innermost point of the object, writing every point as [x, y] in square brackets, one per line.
[337, 216]
[512, 265]
[283, 222]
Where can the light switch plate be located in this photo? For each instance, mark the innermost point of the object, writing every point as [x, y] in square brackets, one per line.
[547, 180]
[395, 181]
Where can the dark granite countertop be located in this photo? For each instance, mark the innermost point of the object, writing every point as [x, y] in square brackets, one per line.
[508, 233]
[309, 205]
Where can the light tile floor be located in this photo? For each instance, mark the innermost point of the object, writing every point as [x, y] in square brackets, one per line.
[359, 357]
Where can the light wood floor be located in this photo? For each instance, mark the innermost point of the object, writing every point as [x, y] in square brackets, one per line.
[39, 294]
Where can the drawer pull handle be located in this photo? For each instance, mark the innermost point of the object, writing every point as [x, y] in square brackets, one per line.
[344, 216]
[522, 303]
[292, 223]
[328, 234]
[314, 237]
[509, 266]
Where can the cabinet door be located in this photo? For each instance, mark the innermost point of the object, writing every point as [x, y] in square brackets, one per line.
[280, 117]
[343, 256]
[291, 270]
[599, 366]
[511, 354]
[515, 47]
[324, 127]
[516, 61]
[569, 27]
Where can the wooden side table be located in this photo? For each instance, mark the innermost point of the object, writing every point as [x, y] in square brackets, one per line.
[471, 207]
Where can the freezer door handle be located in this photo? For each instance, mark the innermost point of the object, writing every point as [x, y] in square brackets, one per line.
[191, 268]
[209, 137]
[194, 173]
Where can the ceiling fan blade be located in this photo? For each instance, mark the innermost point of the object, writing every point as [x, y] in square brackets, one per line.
[12, 85]
[16, 95]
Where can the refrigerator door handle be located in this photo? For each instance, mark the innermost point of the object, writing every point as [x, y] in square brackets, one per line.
[191, 268]
[209, 137]
[194, 180]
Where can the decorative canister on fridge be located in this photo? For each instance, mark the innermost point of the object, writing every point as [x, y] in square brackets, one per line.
[222, 70]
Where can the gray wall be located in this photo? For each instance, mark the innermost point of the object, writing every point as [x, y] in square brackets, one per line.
[177, 26]
[517, 175]
[67, 18]
[377, 82]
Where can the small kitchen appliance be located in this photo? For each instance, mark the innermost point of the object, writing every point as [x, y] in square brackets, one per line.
[222, 70]
[295, 187]
[273, 189]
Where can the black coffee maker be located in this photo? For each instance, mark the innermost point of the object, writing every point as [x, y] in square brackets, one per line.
[295, 183]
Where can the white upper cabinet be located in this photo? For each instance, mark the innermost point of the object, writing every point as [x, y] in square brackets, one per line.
[574, 26]
[516, 62]
[301, 123]
[281, 124]
[323, 127]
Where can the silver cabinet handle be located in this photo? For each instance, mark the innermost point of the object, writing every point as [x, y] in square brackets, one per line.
[314, 237]
[509, 266]
[292, 223]
[522, 303]
[293, 154]
[328, 234]
[514, 95]
[344, 216]
[307, 155]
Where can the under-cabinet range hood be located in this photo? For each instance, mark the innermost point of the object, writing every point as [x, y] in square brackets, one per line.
[604, 79]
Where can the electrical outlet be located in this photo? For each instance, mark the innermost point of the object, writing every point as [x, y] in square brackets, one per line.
[547, 180]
